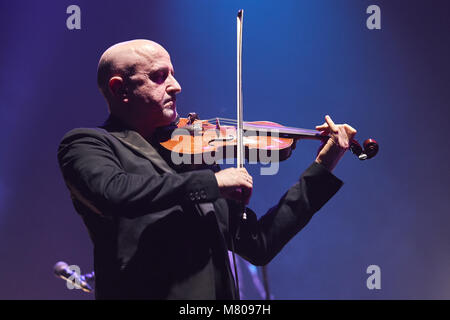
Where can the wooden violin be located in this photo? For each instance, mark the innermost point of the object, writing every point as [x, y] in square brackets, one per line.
[217, 138]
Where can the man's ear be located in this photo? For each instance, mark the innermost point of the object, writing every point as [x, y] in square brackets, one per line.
[117, 88]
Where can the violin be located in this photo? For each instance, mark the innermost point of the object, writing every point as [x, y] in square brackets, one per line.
[218, 138]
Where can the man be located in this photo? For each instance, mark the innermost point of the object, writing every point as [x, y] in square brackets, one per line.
[160, 231]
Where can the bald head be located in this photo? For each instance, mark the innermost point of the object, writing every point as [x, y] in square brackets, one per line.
[137, 79]
[123, 59]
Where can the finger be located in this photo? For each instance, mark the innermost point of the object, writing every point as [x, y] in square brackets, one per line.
[322, 127]
[246, 184]
[325, 133]
[243, 170]
[247, 176]
[244, 180]
[350, 130]
[333, 127]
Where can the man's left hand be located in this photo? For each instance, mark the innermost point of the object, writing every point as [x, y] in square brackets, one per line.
[331, 151]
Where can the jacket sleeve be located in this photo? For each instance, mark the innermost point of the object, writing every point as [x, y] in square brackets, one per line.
[96, 177]
[258, 241]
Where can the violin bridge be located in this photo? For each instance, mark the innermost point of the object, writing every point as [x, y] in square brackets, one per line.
[192, 116]
[217, 127]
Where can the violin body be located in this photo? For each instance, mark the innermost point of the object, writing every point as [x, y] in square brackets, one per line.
[203, 138]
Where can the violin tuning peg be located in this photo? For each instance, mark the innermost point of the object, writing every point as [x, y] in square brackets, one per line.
[369, 151]
[370, 148]
[356, 148]
[363, 156]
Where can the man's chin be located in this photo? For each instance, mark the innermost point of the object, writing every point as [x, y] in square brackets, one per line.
[169, 115]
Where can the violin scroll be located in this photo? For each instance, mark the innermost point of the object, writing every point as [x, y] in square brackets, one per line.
[369, 151]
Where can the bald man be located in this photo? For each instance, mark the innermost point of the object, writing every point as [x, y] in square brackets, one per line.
[162, 231]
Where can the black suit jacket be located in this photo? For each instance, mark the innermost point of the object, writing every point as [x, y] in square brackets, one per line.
[161, 232]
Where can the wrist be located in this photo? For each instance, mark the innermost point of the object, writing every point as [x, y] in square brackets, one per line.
[325, 164]
[218, 179]
[330, 155]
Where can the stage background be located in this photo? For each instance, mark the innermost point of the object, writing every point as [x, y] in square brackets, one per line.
[301, 61]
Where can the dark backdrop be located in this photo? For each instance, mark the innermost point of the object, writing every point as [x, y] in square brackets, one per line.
[301, 60]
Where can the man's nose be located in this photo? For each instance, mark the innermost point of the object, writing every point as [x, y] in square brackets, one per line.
[174, 86]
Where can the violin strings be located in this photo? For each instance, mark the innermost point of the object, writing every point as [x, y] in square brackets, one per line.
[227, 121]
[261, 127]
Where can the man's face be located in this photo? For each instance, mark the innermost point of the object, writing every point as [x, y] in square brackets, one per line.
[153, 88]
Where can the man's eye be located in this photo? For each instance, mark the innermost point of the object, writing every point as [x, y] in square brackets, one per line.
[158, 77]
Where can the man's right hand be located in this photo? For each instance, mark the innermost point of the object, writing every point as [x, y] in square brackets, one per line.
[235, 184]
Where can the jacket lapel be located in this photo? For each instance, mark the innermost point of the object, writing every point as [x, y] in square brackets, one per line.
[134, 141]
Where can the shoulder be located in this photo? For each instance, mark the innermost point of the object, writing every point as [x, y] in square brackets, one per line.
[85, 136]
[85, 133]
